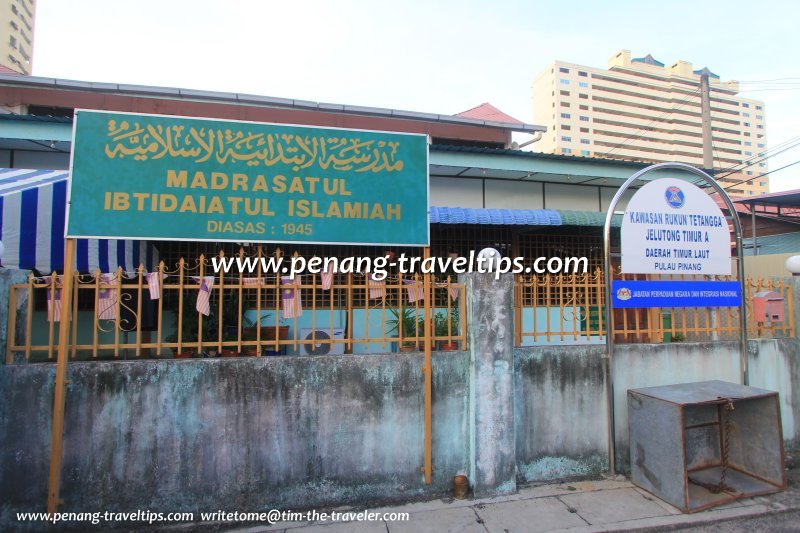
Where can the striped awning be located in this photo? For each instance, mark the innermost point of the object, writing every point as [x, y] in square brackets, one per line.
[32, 218]
[518, 217]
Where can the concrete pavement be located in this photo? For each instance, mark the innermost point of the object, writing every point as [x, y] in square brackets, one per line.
[586, 506]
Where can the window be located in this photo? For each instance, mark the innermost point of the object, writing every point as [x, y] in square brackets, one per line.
[583, 84]
[564, 93]
[566, 150]
[584, 130]
[760, 126]
[565, 127]
[745, 104]
[566, 104]
[564, 70]
[759, 117]
[586, 152]
[747, 124]
[746, 115]
[759, 108]
[762, 165]
[564, 81]
[584, 108]
[584, 96]
[748, 153]
[747, 134]
[565, 115]
[582, 74]
[762, 183]
[749, 172]
[584, 118]
[566, 138]
[760, 145]
[12, 42]
[748, 143]
[586, 141]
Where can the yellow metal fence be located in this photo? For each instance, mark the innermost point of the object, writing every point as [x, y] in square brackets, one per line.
[570, 309]
[196, 312]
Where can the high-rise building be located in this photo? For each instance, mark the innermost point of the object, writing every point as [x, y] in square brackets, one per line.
[16, 35]
[642, 110]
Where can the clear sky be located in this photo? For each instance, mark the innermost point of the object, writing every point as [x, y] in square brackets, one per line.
[433, 56]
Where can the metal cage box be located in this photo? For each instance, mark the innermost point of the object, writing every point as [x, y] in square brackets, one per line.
[688, 439]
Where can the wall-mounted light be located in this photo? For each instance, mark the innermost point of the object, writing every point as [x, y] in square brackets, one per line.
[793, 265]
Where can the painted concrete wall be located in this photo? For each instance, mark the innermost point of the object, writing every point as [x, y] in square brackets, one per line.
[250, 433]
[560, 398]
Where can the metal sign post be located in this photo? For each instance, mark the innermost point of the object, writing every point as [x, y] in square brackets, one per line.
[608, 359]
[60, 394]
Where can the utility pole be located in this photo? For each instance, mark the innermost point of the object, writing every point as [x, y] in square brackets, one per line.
[708, 162]
[705, 106]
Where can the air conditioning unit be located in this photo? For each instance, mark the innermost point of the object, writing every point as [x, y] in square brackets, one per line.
[322, 348]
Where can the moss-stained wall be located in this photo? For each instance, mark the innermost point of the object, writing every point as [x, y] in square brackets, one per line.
[245, 434]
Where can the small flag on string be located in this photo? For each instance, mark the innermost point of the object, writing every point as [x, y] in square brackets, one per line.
[414, 289]
[253, 281]
[327, 279]
[377, 288]
[451, 290]
[154, 284]
[54, 305]
[290, 293]
[204, 294]
[107, 299]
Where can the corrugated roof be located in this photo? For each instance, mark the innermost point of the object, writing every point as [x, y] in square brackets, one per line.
[535, 155]
[518, 217]
[10, 80]
[587, 218]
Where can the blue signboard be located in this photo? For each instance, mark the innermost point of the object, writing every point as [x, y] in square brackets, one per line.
[638, 294]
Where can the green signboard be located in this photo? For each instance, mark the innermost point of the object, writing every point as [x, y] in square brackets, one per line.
[178, 178]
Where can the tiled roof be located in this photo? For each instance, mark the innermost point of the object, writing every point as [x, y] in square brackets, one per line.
[487, 111]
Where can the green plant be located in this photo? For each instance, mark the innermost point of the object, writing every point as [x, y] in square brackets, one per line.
[441, 327]
[190, 322]
[408, 321]
[678, 337]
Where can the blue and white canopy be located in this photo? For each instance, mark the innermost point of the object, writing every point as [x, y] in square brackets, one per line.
[33, 207]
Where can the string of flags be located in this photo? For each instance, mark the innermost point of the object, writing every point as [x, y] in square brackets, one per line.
[108, 298]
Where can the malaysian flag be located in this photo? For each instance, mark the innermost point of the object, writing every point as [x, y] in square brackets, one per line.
[204, 294]
[414, 289]
[54, 305]
[451, 290]
[253, 281]
[290, 293]
[154, 284]
[327, 279]
[107, 299]
[377, 288]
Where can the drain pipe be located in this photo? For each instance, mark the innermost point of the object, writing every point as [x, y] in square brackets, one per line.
[536, 137]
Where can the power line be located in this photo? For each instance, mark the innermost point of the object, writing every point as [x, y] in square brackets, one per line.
[760, 154]
[763, 158]
[652, 122]
[761, 176]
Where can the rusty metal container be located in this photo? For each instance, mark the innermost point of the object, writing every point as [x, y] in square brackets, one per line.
[700, 445]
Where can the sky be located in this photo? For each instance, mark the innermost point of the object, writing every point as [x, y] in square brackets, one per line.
[432, 56]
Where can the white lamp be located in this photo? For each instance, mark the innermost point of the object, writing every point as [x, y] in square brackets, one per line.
[793, 265]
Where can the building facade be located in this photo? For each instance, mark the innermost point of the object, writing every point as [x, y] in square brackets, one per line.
[17, 20]
[642, 110]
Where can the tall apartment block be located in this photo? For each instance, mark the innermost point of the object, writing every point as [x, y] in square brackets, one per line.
[642, 110]
[16, 35]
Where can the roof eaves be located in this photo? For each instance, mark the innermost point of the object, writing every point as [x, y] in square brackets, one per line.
[35, 81]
